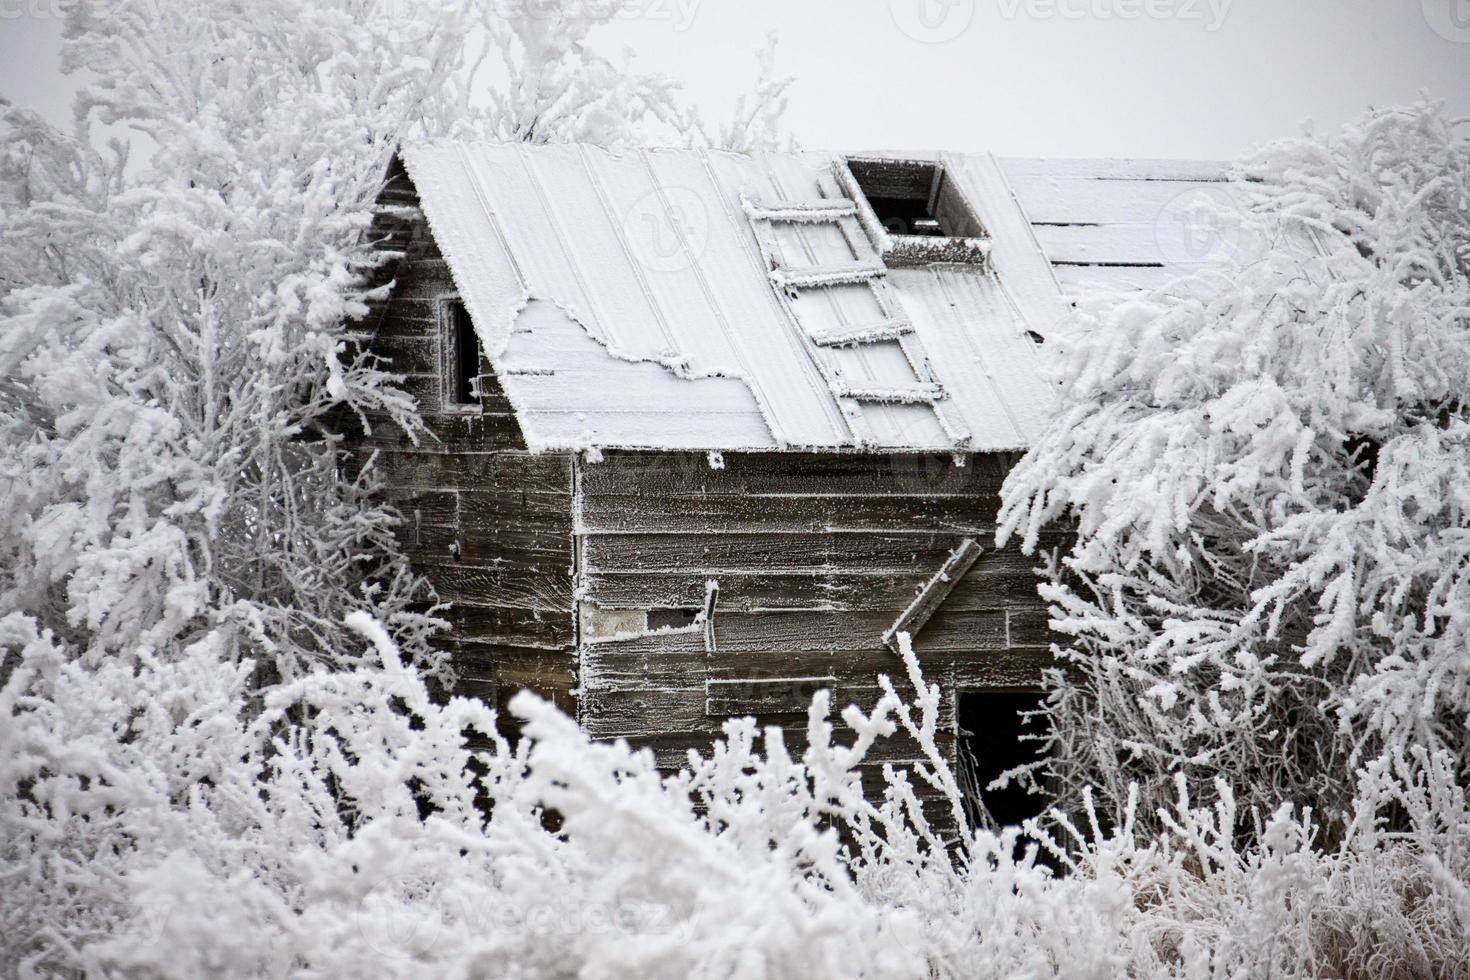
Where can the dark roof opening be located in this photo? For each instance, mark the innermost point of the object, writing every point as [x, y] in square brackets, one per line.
[914, 197]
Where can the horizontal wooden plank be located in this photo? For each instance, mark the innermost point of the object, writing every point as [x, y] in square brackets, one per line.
[420, 506]
[476, 513]
[476, 432]
[723, 514]
[671, 750]
[511, 626]
[1001, 579]
[767, 553]
[889, 178]
[764, 696]
[527, 512]
[644, 713]
[777, 633]
[652, 663]
[424, 278]
[480, 658]
[750, 591]
[757, 667]
[408, 309]
[656, 642]
[1009, 581]
[780, 633]
[496, 547]
[963, 632]
[415, 354]
[506, 470]
[758, 474]
[549, 590]
[427, 391]
[1017, 668]
[620, 666]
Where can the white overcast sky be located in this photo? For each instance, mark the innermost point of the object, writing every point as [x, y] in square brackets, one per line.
[1150, 78]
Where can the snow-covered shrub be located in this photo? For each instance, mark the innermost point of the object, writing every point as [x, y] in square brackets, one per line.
[1269, 478]
[171, 330]
[205, 770]
[336, 833]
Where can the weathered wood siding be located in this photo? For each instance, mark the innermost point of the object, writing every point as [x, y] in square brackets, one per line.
[554, 564]
[486, 522]
[816, 556]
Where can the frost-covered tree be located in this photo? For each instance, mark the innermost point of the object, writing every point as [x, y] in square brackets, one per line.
[172, 335]
[176, 534]
[1268, 476]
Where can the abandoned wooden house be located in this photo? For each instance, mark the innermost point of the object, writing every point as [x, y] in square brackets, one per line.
[709, 429]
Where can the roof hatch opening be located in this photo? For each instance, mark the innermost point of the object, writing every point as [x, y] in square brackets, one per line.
[914, 198]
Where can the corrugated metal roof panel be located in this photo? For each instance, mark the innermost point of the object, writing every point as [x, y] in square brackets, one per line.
[626, 301]
[1122, 225]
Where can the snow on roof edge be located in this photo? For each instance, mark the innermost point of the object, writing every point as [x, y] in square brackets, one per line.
[501, 288]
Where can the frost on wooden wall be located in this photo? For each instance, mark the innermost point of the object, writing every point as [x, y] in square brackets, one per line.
[571, 391]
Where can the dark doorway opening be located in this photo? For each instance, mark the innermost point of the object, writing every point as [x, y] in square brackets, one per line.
[997, 734]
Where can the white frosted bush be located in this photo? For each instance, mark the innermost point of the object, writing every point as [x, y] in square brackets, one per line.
[337, 834]
[1269, 478]
[218, 754]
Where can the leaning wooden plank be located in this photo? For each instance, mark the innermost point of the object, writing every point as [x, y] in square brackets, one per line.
[912, 619]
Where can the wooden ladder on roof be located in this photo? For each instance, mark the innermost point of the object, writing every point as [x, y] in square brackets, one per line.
[792, 275]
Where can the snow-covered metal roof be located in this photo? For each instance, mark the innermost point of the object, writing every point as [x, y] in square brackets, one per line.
[703, 300]
[1109, 225]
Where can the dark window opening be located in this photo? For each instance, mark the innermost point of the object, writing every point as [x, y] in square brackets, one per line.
[464, 356]
[914, 197]
[995, 736]
[663, 619]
